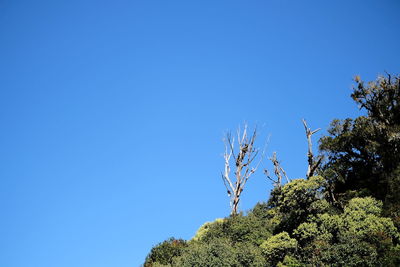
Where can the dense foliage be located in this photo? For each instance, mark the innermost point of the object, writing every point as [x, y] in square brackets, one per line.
[348, 215]
[364, 153]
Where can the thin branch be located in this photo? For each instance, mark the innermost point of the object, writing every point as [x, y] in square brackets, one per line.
[228, 138]
[243, 160]
[312, 164]
[278, 171]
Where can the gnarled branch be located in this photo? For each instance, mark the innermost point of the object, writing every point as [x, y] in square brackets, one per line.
[278, 171]
[243, 161]
[313, 164]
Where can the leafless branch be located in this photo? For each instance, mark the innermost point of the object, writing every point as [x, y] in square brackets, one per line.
[313, 164]
[243, 160]
[278, 171]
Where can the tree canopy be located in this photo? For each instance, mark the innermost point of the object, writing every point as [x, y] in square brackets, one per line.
[348, 214]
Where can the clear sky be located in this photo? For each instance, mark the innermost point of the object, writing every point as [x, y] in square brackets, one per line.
[112, 113]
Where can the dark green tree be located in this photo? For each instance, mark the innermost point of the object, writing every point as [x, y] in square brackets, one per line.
[358, 236]
[296, 201]
[363, 154]
[164, 253]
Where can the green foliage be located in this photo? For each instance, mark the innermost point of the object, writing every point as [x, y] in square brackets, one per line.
[202, 231]
[217, 252]
[238, 228]
[278, 246]
[249, 255]
[300, 193]
[220, 252]
[306, 232]
[270, 216]
[297, 200]
[247, 229]
[364, 206]
[392, 200]
[392, 257]
[163, 253]
[364, 153]
[358, 236]
[361, 221]
[350, 216]
[290, 261]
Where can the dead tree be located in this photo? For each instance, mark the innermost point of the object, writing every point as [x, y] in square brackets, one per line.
[278, 171]
[313, 164]
[242, 160]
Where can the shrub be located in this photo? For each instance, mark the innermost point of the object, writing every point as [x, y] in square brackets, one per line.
[164, 252]
[277, 247]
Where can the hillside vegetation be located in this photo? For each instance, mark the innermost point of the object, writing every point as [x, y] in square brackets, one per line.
[346, 214]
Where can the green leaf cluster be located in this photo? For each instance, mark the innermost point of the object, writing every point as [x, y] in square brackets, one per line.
[277, 247]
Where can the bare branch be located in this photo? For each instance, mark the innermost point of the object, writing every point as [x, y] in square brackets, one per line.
[227, 157]
[312, 164]
[278, 171]
[226, 186]
[269, 177]
[230, 142]
[243, 160]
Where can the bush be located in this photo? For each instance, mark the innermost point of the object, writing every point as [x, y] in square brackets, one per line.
[205, 228]
[238, 228]
[218, 252]
[296, 201]
[163, 253]
[277, 247]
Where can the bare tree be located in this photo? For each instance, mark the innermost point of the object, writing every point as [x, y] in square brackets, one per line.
[278, 171]
[243, 161]
[313, 164]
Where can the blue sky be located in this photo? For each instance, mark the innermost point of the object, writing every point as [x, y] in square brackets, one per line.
[113, 112]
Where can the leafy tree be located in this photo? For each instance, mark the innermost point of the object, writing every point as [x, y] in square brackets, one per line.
[357, 237]
[249, 254]
[277, 247]
[364, 153]
[290, 261]
[220, 252]
[296, 201]
[250, 228]
[205, 228]
[164, 252]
